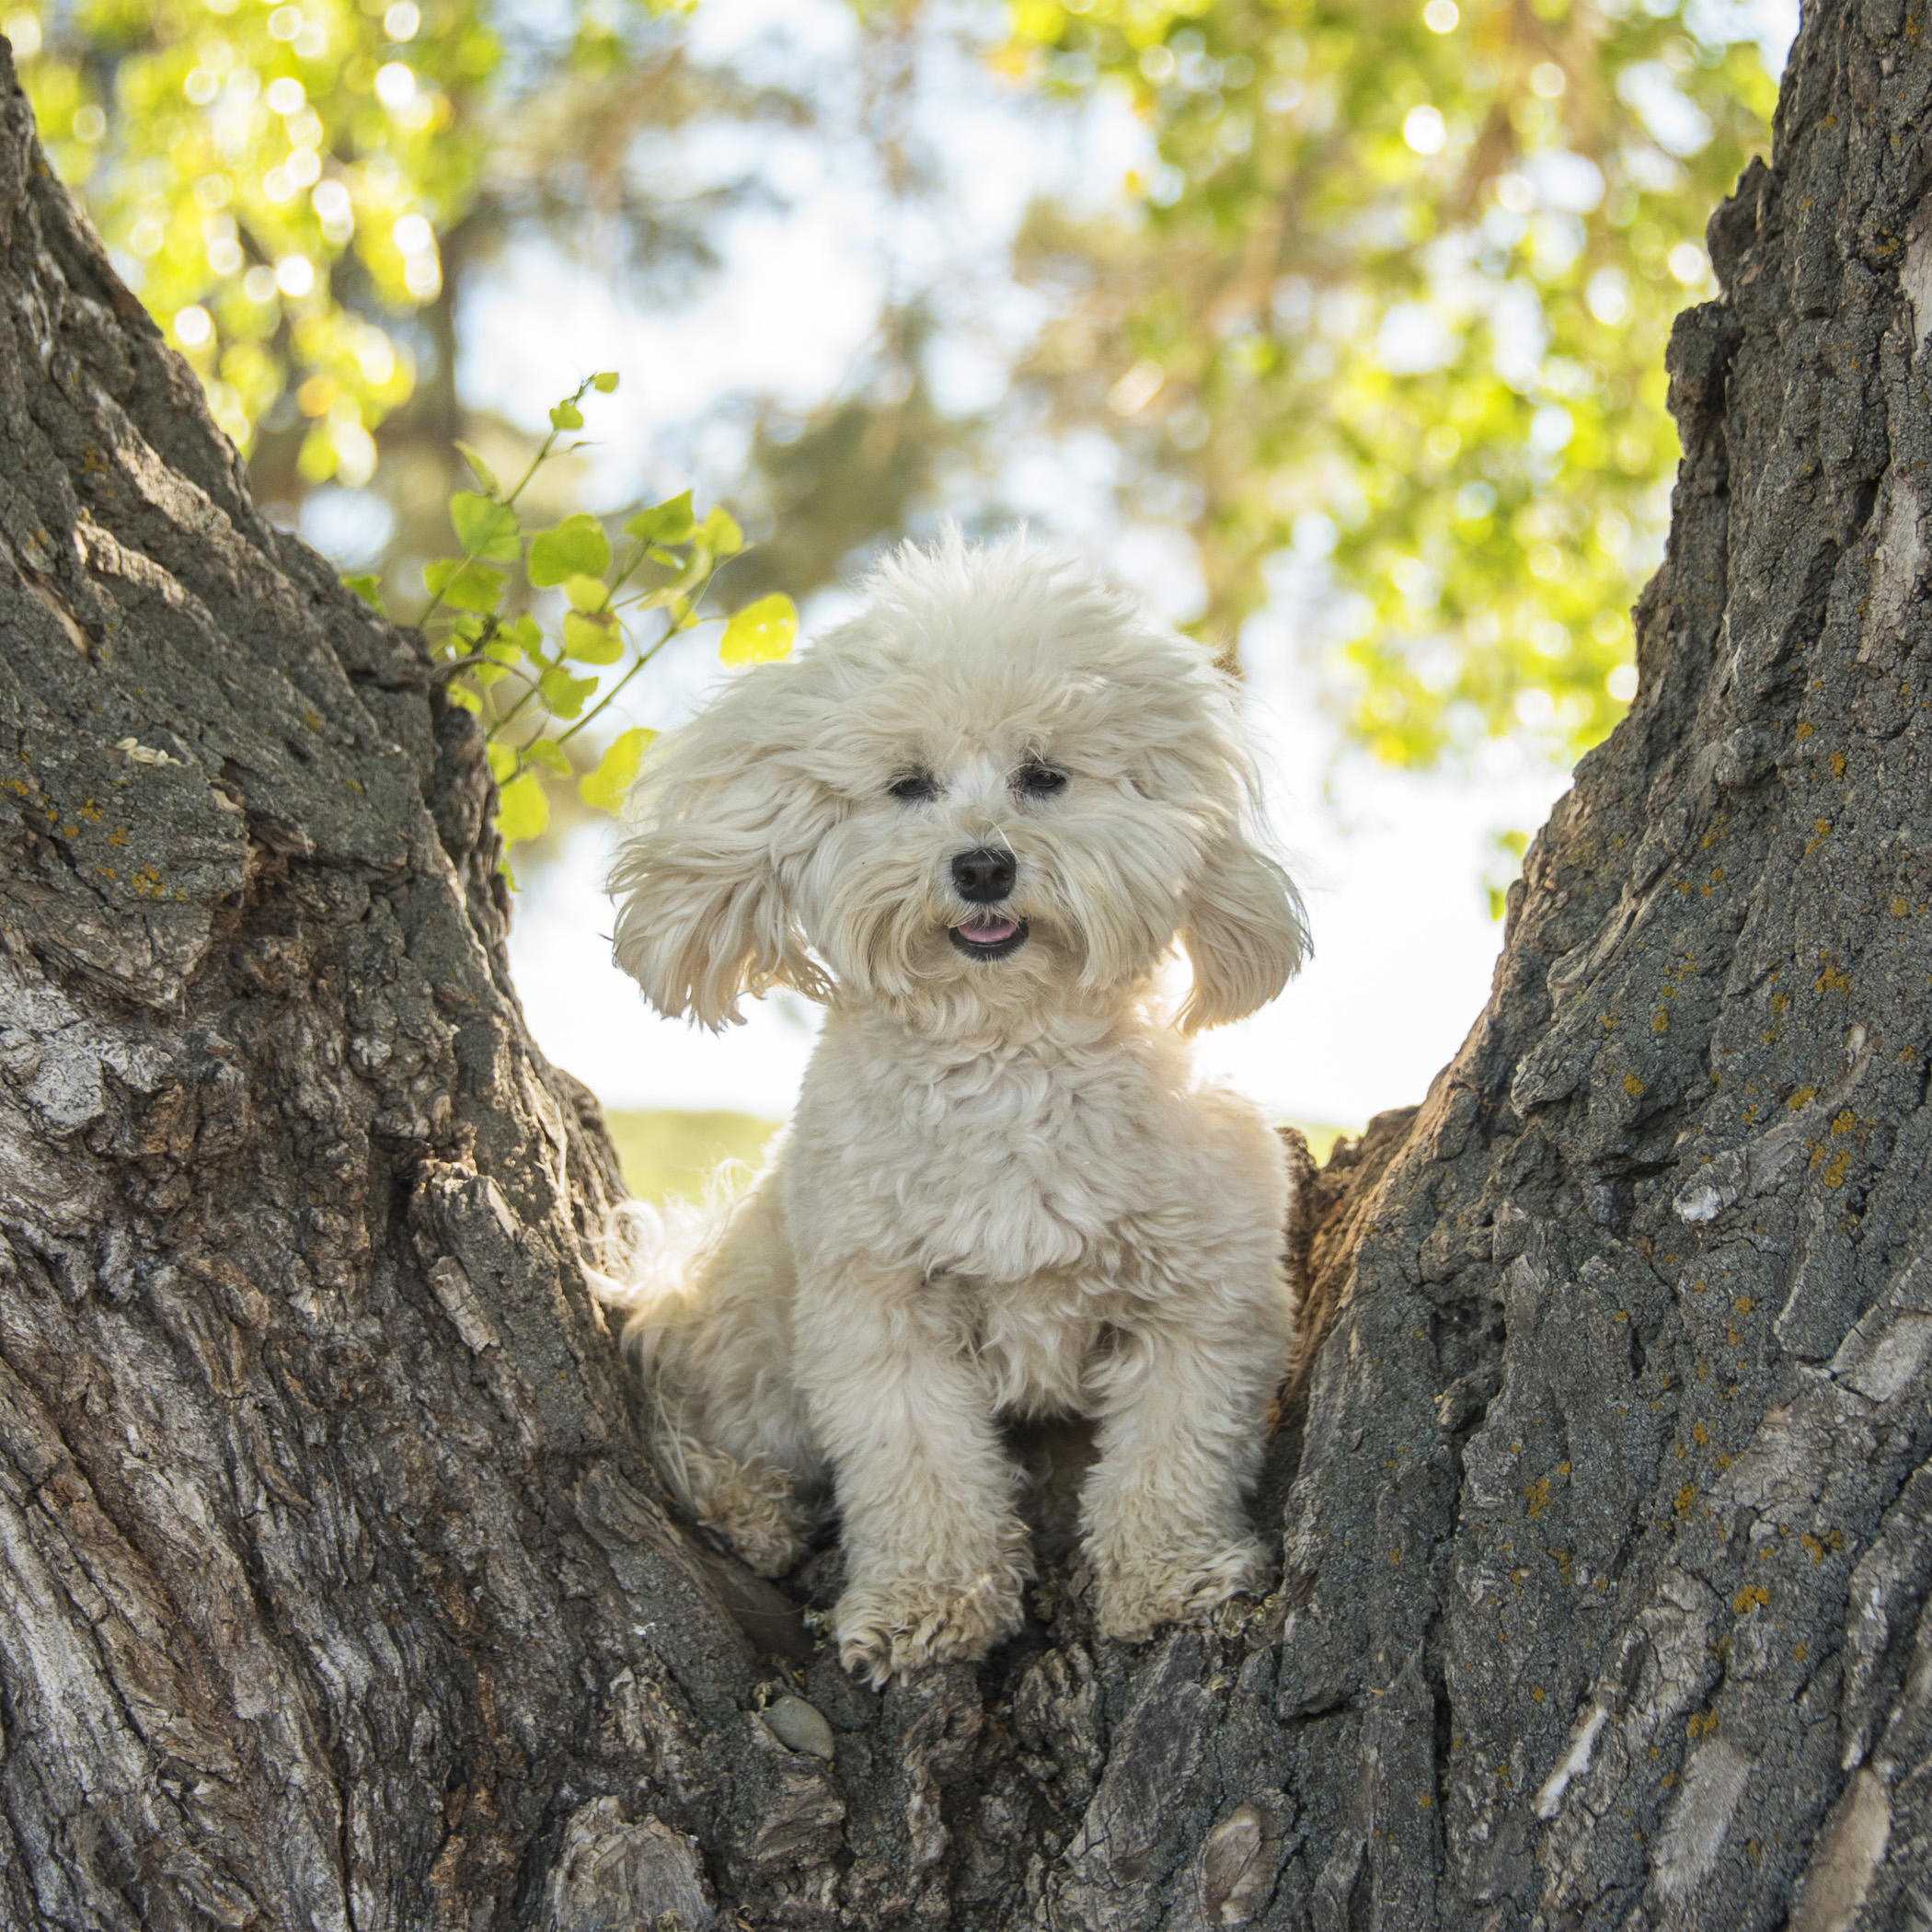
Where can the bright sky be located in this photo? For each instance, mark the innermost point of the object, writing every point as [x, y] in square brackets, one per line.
[1392, 865]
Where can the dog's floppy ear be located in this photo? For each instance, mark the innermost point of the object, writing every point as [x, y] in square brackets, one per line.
[711, 827]
[1244, 930]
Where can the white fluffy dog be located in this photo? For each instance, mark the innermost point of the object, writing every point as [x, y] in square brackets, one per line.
[973, 822]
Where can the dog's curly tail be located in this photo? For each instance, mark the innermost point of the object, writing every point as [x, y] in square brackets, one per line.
[695, 1292]
[657, 1256]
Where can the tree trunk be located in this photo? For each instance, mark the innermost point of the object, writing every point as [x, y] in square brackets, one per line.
[332, 1585]
[335, 1590]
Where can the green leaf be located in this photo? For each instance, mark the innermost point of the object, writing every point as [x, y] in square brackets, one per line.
[605, 788]
[527, 635]
[670, 522]
[720, 532]
[761, 632]
[502, 761]
[464, 586]
[547, 751]
[564, 693]
[523, 811]
[595, 639]
[369, 589]
[606, 380]
[484, 527]
[577, 546]
[567, 416]
[480, 469]
[586, 593]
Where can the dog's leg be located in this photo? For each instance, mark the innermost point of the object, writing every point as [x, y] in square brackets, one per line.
[936, 1555]
[1182, 1420]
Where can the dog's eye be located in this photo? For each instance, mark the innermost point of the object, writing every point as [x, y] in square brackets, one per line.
[1039, 780]
[916, 788]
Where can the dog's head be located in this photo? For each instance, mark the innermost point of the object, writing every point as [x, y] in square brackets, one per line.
[1002, 781]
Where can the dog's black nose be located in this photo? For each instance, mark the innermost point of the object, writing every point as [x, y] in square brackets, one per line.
[982, 876]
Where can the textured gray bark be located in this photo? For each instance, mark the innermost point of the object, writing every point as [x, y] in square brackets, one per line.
[331, 1586]
[334, 1589]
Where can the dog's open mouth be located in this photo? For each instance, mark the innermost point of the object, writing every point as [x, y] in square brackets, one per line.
[990, 936]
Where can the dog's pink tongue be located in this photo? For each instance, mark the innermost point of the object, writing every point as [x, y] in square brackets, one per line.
[990, 931]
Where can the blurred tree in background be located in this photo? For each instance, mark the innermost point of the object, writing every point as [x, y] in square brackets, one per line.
[301, 194]
[1379, 329]
[272, 181]
[1398, 299]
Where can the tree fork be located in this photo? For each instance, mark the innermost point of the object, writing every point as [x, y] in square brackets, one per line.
[335, 1590]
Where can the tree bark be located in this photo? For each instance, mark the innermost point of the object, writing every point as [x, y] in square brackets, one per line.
[335, 1590]
[332, 1585]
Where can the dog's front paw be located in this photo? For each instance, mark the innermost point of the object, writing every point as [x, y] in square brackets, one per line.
[889, 1630]
[1137, 1593]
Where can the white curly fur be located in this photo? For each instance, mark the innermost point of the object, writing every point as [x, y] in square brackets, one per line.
[1002, 1192]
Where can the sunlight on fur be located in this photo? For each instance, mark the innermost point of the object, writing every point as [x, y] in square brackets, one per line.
[974, 821]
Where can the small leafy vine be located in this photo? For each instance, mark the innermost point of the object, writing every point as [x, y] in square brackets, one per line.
[539, 670]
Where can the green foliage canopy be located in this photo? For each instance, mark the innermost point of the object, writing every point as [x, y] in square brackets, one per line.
[289, 184]
[1400, 300]
[248, 163]
[1394, 303]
